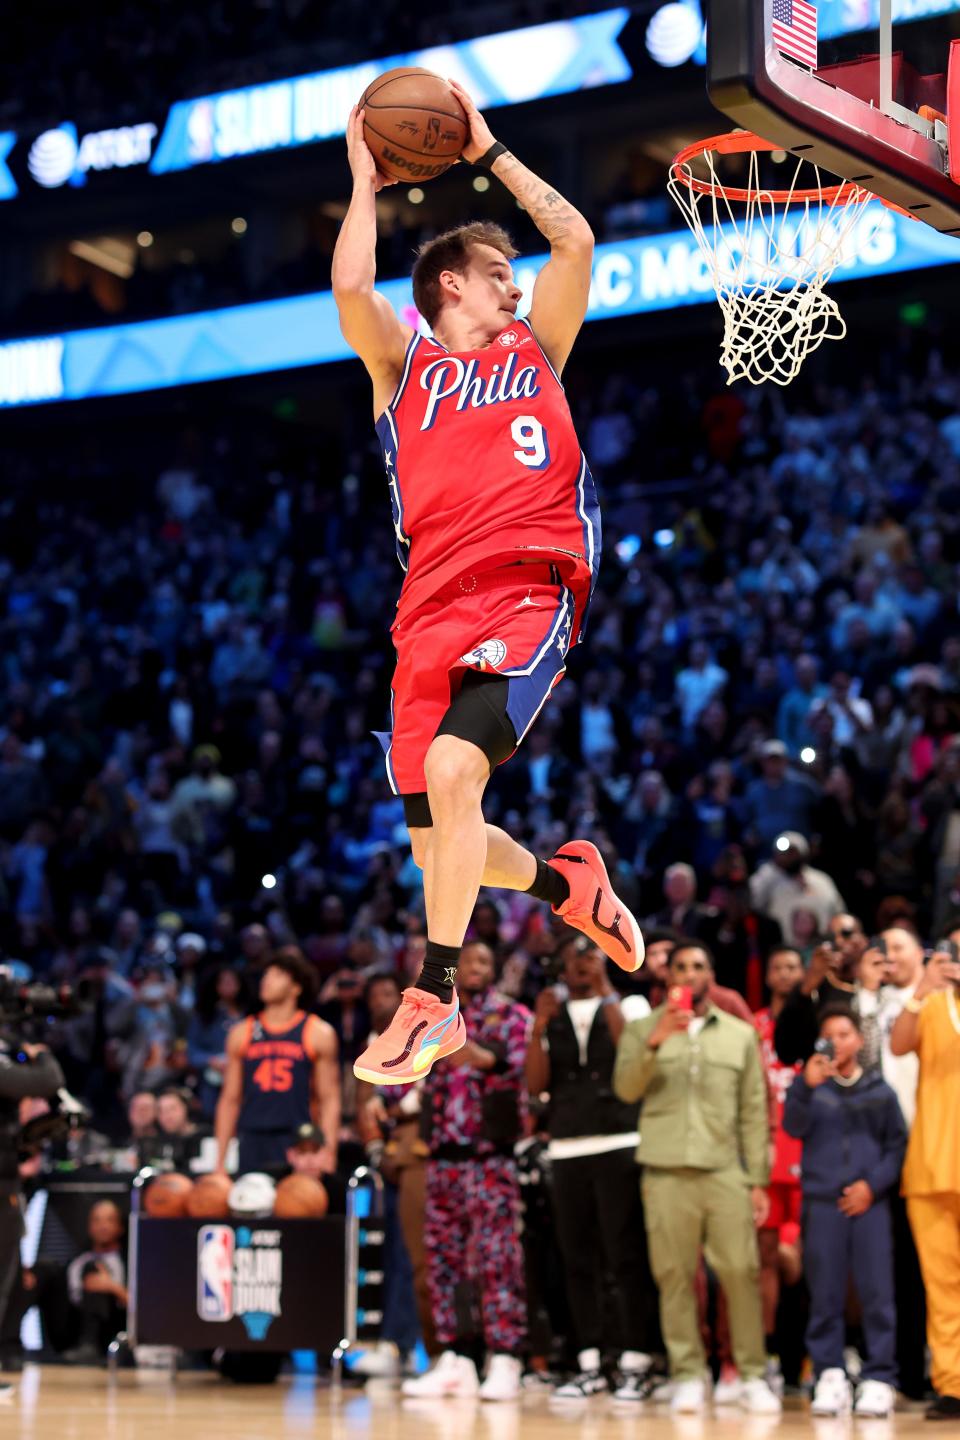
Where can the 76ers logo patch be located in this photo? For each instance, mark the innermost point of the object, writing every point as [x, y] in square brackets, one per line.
[509, 337]
[491, 654]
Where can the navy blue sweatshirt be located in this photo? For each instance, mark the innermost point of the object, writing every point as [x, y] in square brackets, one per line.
[849, 1133]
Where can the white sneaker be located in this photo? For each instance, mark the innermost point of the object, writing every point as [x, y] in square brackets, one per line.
[875, 1397]
[833, 1395]
[757, 1398]
[503, 1379]
[662, 1391]
[728, 1391]
[452, 1375]
[689, 1397]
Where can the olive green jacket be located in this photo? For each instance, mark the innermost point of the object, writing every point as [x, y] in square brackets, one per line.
[704, 1096]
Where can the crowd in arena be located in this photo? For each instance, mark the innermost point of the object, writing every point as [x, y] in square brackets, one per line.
[763, 738]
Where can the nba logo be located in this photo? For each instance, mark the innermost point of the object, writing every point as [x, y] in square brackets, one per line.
[215, 1245]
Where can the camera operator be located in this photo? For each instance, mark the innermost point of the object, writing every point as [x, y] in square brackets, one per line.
[30, 1070]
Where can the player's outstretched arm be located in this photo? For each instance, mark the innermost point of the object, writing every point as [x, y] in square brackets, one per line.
[368, 321]
[563, 285]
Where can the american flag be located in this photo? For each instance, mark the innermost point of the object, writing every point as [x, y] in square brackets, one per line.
[795, 30]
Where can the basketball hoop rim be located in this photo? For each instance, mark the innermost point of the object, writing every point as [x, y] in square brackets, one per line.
[741, 142]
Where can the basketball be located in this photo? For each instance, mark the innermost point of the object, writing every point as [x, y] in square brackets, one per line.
[413, 124]
[208, 1200]
[167, 1196]
[300, 1197]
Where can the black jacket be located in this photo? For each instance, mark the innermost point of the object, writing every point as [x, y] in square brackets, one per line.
[41, 1077]
[582, 1101]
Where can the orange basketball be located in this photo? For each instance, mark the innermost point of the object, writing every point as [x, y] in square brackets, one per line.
[208, 1198]
[167, 1196]
[413, 123]
[300, 1197]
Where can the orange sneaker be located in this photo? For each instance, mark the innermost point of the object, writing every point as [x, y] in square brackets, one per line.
[593, 907]
[423, 1030]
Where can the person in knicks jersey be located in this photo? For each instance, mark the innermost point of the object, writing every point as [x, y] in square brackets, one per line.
[282, 1072]
[498, 532]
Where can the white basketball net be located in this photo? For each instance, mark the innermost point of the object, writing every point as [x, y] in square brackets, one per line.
[770, 260]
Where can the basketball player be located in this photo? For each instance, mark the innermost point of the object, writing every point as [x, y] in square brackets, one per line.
[498, 531]
[282, 1072]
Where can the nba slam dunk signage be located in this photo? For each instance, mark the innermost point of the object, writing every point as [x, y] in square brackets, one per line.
[655, 272]
[504, 69]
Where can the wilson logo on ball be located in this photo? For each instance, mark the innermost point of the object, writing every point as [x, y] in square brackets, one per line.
[412, 167]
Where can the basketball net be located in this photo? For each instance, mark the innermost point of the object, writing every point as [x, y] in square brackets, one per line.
[770, 254]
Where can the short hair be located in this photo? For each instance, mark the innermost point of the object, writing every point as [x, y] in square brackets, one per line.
[451, 251]
[784, 950]
[658, 936]
[292, 961]
[836, 1011]
[381, 977]
[691, 944]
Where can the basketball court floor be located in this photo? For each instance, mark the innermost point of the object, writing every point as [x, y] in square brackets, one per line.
[59, 1404]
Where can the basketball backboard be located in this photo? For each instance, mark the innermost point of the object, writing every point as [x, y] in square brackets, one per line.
[870, 98]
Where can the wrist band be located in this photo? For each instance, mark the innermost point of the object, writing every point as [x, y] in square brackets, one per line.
[486, 160]
[914, 1006]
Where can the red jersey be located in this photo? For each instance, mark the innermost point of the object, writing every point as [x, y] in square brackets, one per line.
[484, 465]
[787, 1150]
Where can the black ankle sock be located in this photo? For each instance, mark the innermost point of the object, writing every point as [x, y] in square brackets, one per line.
[439, 970]
[549, 885]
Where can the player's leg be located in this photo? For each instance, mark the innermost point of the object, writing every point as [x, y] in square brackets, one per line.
[508, 866]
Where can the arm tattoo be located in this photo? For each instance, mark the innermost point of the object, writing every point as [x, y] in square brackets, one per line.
[553, 216]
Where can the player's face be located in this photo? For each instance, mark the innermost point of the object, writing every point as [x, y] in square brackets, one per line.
[490, 294]
[276, 986]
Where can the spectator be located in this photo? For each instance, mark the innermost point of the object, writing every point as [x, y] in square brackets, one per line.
[929, 1024]
[681, 912]
[739, 936]
[475, 1106]
[177, 1140]
[703, 1144]
[787, 880]
[96, 1282]
[889, 975]
[388, 1121]
[853, 1145]
[832, 977]
[149, 1033]
[782, 1225]
[794, 708]
[595, 1179]
[778, 801]
[698, 683]
[219, 1007]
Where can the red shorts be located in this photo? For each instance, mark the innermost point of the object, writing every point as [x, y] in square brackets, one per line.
[516, 621]
[785, 1207]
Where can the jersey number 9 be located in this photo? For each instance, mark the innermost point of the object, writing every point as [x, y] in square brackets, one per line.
[531, 440]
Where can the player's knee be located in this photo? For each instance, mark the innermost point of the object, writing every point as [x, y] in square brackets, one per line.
[456, 771]
[418, 844]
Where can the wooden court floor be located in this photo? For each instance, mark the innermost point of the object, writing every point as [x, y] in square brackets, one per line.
[53, 1403]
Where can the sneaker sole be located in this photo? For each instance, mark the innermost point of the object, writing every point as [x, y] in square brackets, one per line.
[411, 1076]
